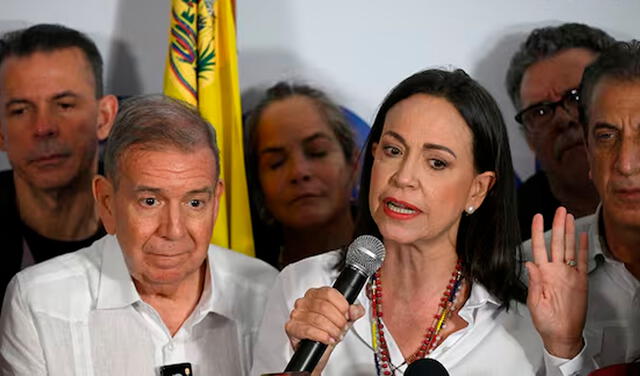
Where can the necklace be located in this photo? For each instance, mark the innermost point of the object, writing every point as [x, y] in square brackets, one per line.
[432, 336]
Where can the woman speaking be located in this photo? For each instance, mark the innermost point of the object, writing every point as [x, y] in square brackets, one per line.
[438, 188]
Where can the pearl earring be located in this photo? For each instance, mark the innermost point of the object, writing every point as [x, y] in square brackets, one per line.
[470, 210]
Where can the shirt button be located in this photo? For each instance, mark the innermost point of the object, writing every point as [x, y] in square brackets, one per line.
[171, 346]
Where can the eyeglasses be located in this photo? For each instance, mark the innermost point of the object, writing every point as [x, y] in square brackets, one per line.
[536, 116]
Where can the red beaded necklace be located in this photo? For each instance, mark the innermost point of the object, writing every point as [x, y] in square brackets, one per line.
[432, 336]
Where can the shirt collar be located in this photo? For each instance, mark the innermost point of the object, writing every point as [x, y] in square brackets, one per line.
[116, 288]
[597, 242]
[479, 297]
[221, 293]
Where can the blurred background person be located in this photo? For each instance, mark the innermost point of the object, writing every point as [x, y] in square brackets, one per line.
[437, 188]
[543, 81]
[301, 163]
[53, 113]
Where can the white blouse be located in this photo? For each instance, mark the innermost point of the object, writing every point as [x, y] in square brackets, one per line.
[495, 342]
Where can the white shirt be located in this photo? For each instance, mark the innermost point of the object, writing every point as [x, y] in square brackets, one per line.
[80, 314]
[612, 330]
[495, 342]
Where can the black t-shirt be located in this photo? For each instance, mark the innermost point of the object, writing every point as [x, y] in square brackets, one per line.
[534, 196]
[43, 248]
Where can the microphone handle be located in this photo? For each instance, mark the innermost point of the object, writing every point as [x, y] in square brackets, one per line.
[349, 284]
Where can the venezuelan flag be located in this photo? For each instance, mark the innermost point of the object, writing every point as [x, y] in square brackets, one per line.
[202, 69]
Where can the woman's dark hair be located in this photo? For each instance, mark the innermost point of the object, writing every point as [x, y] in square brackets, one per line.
[267, 248]
[488, 241]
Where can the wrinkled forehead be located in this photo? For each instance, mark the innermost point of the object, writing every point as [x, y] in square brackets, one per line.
[615, 100]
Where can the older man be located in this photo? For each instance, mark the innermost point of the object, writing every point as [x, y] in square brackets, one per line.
[152, 297]
[542, 81]
[610, 111]
[52, 115]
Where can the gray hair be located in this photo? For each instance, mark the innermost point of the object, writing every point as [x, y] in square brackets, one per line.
[546, 42]
[620, 62]
[282, 90]
[153, 122]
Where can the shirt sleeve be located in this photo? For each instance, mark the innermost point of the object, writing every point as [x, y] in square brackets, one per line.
[580, 365]
[20, 349]
[273, 349]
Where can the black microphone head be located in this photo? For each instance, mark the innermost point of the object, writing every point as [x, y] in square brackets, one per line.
[426, 367]
[366, 253]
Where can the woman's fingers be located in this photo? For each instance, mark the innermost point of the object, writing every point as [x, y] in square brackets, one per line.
[557, 235]
[321, 315]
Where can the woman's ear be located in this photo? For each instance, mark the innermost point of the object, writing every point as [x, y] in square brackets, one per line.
[480, 187]
[103, 191]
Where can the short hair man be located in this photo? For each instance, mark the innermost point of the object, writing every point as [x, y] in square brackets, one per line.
[153, 293]
[542, 81]
[610, 113]
[52, 115]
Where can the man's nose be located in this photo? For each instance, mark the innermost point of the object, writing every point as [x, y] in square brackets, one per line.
[45, 125]
[628, 161]
[172, 222]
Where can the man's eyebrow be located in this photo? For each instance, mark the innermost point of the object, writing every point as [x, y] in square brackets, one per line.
[604, 125]
[144, 188]
[64, 94]
[426, 146]
[207, 190]
[61, 95]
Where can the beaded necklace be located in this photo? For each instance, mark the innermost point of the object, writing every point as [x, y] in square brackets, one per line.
[432, 336]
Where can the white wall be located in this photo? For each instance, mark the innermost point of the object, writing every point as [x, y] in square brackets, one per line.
[355, 49]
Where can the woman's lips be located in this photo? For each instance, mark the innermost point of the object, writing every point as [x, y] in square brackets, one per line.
[399, 209]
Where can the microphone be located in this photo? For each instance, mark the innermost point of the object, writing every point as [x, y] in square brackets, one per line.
[364, 257]
[426, 367]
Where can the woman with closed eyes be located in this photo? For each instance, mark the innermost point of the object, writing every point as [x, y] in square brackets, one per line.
[301, 158]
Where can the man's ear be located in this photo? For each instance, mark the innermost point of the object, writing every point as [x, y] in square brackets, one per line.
[107, 110]
[103, 193]
[480, 187]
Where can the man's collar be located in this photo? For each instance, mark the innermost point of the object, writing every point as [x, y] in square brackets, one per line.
[597, 242]
[116, 289]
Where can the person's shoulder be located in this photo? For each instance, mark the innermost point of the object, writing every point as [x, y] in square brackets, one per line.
[7, 190]
[315, 271]
[240, 267]
[61, 277]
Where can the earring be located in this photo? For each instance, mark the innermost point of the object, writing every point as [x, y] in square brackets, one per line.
[470, 210]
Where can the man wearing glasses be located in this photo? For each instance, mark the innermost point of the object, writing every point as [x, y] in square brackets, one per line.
[542, 81]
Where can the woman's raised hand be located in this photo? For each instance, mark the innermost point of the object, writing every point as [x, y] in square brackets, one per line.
[322, 315]
[557, 295]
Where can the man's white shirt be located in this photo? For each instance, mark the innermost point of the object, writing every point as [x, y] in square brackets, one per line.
[80, 314]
